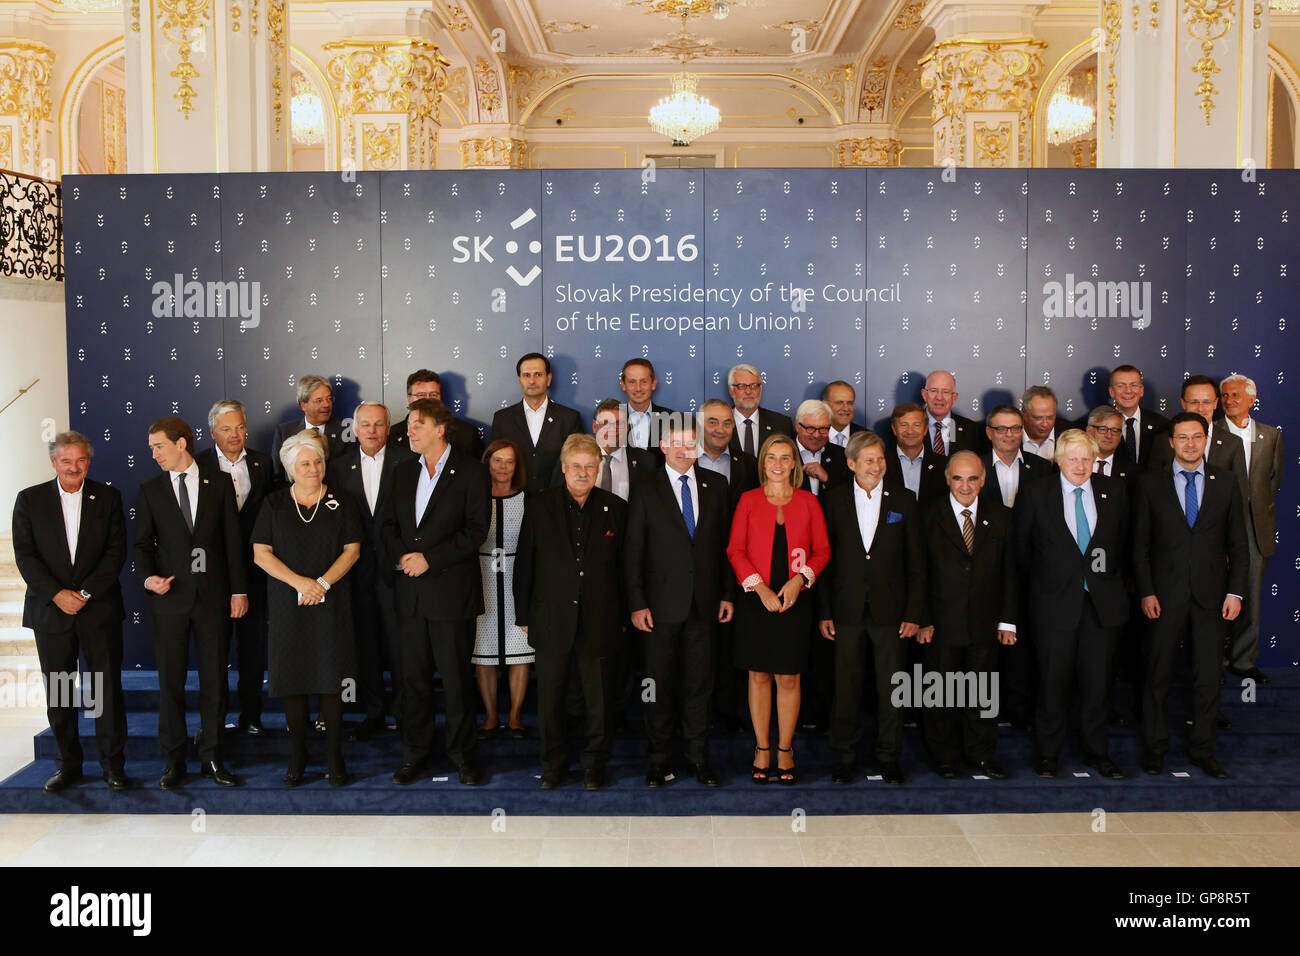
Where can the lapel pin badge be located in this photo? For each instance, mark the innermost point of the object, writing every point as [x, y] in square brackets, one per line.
[205, 481]
[606, 507]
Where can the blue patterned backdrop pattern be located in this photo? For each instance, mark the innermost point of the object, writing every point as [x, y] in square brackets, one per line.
[874, 276]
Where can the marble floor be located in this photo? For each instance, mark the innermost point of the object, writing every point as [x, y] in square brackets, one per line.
[1050, 839]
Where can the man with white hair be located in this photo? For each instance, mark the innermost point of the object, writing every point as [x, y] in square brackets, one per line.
[946, 432]
[754, 425]
[823, 463]
[1264, 454]
[316, 400]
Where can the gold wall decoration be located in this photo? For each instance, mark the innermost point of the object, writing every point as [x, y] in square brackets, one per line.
[458, 87]
[252, 16]
[566, 26]
[184, 22]
[874, 83]
[488, 85]
[1207, 21]
[868, 151]
[25, 98]
[909, 18]
[113, 127]
[6, 147]
[506, 152]
[1083, 153]
[457, 18]
[1155, 14]
[831, 81]
[906, 84]
[524, 82]
[966, 75]
[275, 28]
[234, 17]
[403, 75]
[135, 16]
[992, 144]
[381, 147]
[1259, 12]
[1110, 21]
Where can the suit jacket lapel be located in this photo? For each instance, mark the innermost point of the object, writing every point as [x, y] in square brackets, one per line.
[56, 506]
[89, 513]
[953, 530]
[447, 476]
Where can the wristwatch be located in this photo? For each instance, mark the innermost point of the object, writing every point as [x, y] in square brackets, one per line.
[85, 595]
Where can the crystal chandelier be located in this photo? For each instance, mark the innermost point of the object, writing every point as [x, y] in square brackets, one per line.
[684, 116]
[306, 112]
[1068, 116]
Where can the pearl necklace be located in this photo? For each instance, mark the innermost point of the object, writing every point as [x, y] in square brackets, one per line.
[293, 493]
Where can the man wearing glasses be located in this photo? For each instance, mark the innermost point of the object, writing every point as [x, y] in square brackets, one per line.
[1223, 449]
[1106, 426]
[754, 425]
[1006, 467]
[823, 463]
[463, 436]
[946, 432]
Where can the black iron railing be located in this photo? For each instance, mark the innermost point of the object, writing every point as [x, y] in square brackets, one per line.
[31, 227]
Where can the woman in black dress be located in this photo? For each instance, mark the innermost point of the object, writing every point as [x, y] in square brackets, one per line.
[306, 539]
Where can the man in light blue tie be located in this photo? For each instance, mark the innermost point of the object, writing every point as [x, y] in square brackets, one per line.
[1191, 560]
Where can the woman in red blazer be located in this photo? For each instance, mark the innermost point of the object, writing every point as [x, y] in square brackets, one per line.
[778, 547]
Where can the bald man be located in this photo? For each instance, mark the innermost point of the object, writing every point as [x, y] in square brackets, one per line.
[946, 431]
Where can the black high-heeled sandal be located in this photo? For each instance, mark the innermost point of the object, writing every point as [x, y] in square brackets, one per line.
[788, 776]
[759, 774]
[297, 770]
[338, 776]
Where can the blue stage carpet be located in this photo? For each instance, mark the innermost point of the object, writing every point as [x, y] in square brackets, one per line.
[1262, 751]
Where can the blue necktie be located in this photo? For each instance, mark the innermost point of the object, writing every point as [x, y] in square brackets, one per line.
[1189, 499]
[688, 509]
[1081, 532]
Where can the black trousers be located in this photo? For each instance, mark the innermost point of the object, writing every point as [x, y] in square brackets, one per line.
[889, 652]
[248, 634]
[1068, 651]
[101, 643]
[1018, 677]
[171, 647]
[443, 647]
[951, 732]
[728, 696]
[674, 651]
[555, 669]
[817, 684]
[1205, 631]
[378, 637]
[1129, 663]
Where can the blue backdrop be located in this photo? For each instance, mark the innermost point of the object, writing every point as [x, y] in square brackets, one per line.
[874, 276]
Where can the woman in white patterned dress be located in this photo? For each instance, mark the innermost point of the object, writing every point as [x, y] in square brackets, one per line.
[499, 643]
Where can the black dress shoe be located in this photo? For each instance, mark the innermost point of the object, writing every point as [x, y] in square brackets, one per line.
[552, 779]
[338, 776]
[517, 733]
[1211, 766]
[703, 773]
[1045, 766]
[946, 770]
[172, 776]
[988, 768]
[657, 777]
[252, 728]
[63, 778]
[1254, 673]
[486, 733]
[366, 729]
[1153, 764]
[218, 774]
[1222, 722]
[407, 773]
[1106, 767]
[593, 778]
[117, 780]
[891, 773]
[293, 777]
[843, 773]
[468, 776]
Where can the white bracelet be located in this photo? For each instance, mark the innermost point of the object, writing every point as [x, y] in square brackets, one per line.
[323, 583]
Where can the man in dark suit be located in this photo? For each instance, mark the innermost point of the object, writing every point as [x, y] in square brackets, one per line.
[1223, 449]
[1187, 520]
[464, 436]
[1071, 543]
[911, 462]
[679, 588]
[1262, 445]
[823, 463]
[1006, 471]
[1141, 425]
[839, 395]
[1106, 426]
[190, 557]
[432, 525]
[365, 474]
[754, 425]
[537, 425]
[646, 421]
[252, 476]
[621, 465]
[316, 399]
[1042, 424]
[70, 544]
[569, 597]
[870, 600]
[947, 432]
[716, 426]
[971, 608]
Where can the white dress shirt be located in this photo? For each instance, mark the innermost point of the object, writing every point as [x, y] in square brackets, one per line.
[191, 478]
[807, 457]
[424, 490]
[1008, 478]
[1180, 484]
[1044, 449]
[371, 471]
[1247, 435]
[620, 472]
[721, 464]
[71, 502]
[867, 506]
[1089, 506]
[1109, 462]
[911, 468]
[974, 509]
[1137, 430]
[945, 426]
[238, 472]
[536, 419]
[740, 420]
[638, 428]
[675, 479]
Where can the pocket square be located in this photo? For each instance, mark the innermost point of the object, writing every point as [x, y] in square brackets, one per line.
[893, 517]
[609, 534]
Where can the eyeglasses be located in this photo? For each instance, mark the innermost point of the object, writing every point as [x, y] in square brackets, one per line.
[756, 386]
[1106, 429]
[1008, 429]
[820, 430]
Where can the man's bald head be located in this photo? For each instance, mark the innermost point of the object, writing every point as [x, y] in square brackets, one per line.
[965, 475]
[940, 393]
